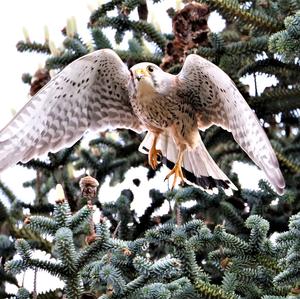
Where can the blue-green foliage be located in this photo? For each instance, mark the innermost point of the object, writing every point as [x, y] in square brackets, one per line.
[190, 257]
[66, 265]
[286, 42]
[23, 294]
[288, 247]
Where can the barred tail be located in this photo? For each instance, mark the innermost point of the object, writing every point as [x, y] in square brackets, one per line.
[198, 167]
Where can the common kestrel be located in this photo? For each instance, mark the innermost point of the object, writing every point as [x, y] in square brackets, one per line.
[98, 92]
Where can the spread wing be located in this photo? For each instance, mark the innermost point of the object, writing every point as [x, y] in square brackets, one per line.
[90, 93]
[217, 101]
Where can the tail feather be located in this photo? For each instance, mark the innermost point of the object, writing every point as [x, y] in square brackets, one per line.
[198, 167]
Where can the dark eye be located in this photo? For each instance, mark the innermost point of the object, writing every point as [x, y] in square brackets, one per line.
[150, 68]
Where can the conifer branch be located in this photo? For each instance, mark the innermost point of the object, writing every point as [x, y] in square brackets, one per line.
[100, 39]
[279, 99]
[270, 66]
[142, 27]
[232, 9]
[286, 42]
[24, 46]
[103, 9]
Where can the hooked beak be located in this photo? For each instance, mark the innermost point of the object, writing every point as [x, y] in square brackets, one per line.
[140, 74]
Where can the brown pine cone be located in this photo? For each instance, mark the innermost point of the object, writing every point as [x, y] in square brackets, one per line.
[39, 80]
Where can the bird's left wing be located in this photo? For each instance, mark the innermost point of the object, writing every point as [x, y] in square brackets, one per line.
[90, 93]
[216, 100]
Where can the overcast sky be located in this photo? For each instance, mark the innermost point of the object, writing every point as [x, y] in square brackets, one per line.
[33, 15]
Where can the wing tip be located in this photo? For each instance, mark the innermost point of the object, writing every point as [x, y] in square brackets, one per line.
[280, 191]
[275, 178]
[279, 186]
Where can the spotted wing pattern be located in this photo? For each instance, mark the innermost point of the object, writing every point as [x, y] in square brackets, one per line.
[90, 93]
[216, 100]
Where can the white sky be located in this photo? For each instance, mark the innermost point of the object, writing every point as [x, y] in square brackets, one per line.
[34, 15]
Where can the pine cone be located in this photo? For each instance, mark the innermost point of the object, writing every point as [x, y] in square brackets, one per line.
[143, 10]
[190, 31]
[39, 80]
[88, 186]
[27, 220]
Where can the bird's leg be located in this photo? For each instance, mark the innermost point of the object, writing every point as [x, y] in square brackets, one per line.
[154, 153]
[177, 170]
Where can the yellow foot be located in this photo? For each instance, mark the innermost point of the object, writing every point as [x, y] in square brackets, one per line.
[177, 171]
[153, 157]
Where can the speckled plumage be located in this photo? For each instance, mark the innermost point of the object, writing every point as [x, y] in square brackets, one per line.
[98, 92]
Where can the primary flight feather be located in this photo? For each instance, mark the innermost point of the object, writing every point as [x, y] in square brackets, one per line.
[98, 92]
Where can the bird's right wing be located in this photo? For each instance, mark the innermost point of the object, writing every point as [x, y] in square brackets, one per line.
[217, 100]
[90, 93]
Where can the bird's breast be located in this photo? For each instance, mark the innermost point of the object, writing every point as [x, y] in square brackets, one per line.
[153, 110]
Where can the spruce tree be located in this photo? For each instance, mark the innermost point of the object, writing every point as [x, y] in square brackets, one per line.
[240, 246]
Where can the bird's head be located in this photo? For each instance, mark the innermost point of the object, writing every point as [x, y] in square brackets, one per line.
[148, 77]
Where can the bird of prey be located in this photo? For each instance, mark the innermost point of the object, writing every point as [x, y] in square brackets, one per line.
[99, 92]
